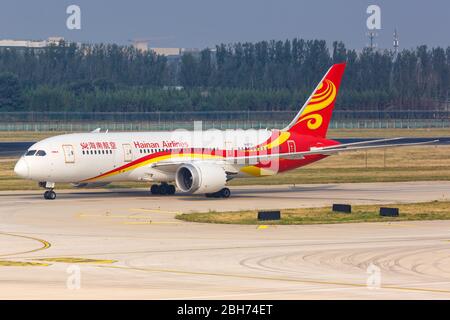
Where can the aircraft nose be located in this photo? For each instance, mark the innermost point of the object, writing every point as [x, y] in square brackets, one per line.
[21, 168]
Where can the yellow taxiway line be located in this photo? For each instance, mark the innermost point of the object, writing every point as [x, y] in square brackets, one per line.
[309, 281]
[45, 244]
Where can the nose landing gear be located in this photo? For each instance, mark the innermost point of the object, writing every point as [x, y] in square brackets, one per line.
[50, 195]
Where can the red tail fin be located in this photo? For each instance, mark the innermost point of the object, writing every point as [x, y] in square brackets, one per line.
[315, 115]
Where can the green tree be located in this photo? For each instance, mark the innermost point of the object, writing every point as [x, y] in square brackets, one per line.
[189, 70]
[10, 92]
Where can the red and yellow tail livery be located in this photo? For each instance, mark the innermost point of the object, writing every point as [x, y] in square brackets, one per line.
[315, 115]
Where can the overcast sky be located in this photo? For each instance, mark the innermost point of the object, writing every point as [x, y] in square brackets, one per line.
[202, 23]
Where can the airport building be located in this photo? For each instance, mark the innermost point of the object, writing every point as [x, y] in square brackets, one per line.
[142, 45]
[167, 51]
[37, 44]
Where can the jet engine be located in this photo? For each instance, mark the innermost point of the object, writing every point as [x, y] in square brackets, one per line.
[200, 178]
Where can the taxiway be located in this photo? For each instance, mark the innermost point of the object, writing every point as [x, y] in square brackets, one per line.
[127, 244]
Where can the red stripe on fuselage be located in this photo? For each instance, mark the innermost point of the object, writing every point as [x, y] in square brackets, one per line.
[303, 143]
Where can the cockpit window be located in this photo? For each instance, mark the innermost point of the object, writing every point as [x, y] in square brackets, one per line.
[41, 153]
[30, 153]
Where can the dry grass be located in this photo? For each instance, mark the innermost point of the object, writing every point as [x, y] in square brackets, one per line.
[13, 136]
[436, 210]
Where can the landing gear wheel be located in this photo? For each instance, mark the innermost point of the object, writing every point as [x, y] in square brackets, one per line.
[225, 193]
[213, 195]
[154, 189]
[162, 189]
[49, 195]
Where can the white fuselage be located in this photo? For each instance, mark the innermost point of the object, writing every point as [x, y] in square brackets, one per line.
[78, 157]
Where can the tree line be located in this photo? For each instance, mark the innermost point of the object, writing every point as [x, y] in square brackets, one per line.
[266, 75]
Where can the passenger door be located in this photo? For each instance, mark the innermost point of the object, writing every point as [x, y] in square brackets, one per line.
[291, 146]
[127, 152]
[69, 153]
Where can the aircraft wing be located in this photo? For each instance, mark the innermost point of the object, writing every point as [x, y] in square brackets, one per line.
[171, 165]
[329, 150]
[349, 147]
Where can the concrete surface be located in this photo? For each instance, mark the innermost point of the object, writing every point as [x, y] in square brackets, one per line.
[126, 244]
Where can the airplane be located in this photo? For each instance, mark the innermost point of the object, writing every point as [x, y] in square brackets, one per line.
[193, 162]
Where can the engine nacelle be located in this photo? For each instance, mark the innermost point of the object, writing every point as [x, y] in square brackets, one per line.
[200, 178]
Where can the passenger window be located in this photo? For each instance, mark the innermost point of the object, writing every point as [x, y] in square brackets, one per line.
[30, 153]
[41, 153]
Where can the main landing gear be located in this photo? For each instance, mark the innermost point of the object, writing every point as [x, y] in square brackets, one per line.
[224, 193]
[163, 189]
[49, 194]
